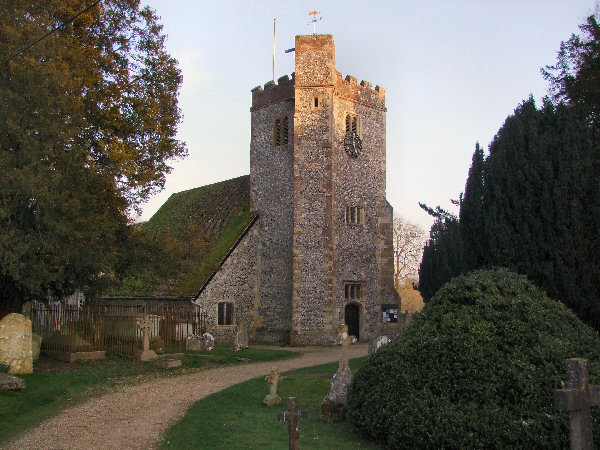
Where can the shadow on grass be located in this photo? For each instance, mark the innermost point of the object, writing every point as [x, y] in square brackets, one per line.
[237, 419]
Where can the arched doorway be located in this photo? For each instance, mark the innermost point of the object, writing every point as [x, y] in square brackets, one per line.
[352, 319]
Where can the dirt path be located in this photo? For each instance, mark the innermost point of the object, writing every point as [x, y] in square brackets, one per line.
[135, 416]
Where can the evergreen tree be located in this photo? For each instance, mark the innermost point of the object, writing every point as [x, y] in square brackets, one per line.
[443, 253]
[540, 186]
[472, 214]
[575, 79]
[87, 127]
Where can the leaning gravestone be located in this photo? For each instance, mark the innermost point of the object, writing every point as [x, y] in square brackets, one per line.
[334, 406]
[193, 342]
[273, 379]
[10, 383]
[381, 341]
[208, 342]
[15, 344]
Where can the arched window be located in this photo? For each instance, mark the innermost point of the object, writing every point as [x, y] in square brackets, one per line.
[277, 133]
[281, 132]
[284, 131]
[351, 124]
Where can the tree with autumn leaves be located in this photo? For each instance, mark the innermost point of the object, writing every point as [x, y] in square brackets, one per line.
[88, 117]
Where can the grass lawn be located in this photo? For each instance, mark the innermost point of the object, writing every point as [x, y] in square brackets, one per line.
[236, 418]
[55, 385]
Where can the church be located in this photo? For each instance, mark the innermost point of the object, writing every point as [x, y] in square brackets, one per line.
[319, 250]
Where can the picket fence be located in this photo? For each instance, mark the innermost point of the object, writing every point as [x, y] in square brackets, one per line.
[114, 328]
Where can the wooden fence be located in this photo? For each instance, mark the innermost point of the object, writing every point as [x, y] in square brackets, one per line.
[114, 328]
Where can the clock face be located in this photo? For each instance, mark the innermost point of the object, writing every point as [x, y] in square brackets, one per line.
[352, 145]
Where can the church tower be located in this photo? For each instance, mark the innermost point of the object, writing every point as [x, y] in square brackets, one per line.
[317, 179]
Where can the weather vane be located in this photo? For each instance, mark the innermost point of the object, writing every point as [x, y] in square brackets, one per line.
[314, 19]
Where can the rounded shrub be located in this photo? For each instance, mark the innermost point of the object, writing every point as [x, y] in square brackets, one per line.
[475, 369]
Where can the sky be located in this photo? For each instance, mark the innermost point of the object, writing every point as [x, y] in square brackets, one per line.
[453, 71]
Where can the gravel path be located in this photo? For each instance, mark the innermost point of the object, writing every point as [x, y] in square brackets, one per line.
[135, 416]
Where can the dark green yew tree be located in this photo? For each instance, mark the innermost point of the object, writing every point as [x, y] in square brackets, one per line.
[443, 254]
[88, 118]
[472, 214]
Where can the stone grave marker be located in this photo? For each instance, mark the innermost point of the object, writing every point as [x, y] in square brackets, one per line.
[208, 342]
[334, 406]
[292, 416]
[193, 342]
[146, 354]
[577, 399]
[273, 379]
[8, 382]
[381, 341]
[16, 348]
[240, 339]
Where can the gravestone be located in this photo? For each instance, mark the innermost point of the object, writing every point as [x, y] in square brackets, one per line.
[381, 341]
[10, 383]
[208, 342]
[16, 348]
[292, 416]
[36, 345]
[577, 399]
[146, 354]
[334, 406]
[240, 340]
[193, 342]
[273, 379]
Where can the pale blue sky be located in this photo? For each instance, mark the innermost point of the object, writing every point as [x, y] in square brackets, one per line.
[452, 70]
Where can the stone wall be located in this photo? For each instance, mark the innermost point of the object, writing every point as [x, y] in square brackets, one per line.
[360, 181]
[313, 318]
[235, 282]
[271, 181]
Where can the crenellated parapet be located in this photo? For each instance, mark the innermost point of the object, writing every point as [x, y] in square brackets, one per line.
[273, 93]
[349, 89]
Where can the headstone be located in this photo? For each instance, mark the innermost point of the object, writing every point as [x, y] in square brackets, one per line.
[334, 406]
[193, 342]
[146, 354]
[577, 399]
[240, 340]
[8, 382]
[273, 378]
[36, 345]
[16, 348]
[292, 416]
[381, 341]
[208, 342]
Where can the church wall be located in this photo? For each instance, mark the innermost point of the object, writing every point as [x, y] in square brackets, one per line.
[271, 181]
[235, 282]
[312, 307]
[359, 181]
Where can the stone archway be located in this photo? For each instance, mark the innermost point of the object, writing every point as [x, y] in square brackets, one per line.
[352, 319]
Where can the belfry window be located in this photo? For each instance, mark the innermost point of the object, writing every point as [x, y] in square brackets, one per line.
[351, 124]
[281, 132]
[277, 133]
[284, 131]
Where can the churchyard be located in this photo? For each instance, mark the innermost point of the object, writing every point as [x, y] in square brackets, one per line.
[237, 417]
[55, 385]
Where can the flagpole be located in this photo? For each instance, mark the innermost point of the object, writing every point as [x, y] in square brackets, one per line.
[274, 34]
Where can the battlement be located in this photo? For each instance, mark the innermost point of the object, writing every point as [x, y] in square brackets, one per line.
[273, 93]
[349, 89]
